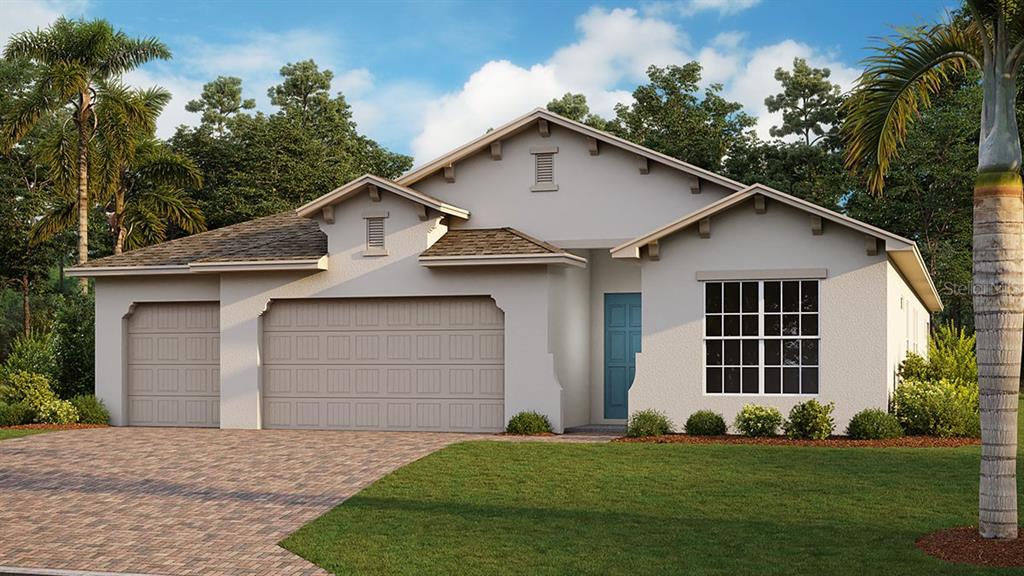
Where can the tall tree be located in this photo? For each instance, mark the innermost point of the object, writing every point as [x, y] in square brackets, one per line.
[575, 107]
[809, 102]
[220, 101]
[74, 57]
[900, 80]
[670, 115]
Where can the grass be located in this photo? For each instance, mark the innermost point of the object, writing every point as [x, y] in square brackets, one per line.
[8, 434]
[541, 508]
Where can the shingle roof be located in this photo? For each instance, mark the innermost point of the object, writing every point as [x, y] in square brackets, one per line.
[488, 242]
[283, 236]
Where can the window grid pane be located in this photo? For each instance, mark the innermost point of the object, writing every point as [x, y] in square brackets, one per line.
[761, 337]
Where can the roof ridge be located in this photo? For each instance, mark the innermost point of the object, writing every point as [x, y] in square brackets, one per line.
[546, 245]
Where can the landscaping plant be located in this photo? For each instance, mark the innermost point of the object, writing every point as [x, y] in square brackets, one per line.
[91, 409]
[16, 414]
[74, 343]
[943, 408]
[648, 423]
[32, 353]
[873, 424]
[34, 390]
[705, 423]
[528, 423]
[810, 420]
[754, 420]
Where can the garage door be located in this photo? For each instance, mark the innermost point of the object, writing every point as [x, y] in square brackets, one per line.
[384, 364]
[174, 364]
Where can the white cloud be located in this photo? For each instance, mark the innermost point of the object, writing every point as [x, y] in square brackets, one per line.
[615, 47]
[756, 78]
[23, 15]
[688, 8]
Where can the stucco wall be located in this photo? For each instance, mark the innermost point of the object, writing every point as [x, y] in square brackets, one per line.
[568, 332]
[607, 276]
[908, 323]
[853, 350]
[115, 297]
[601, 200]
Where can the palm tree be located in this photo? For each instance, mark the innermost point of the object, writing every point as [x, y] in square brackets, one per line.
[899, 80]
[138, 178]
[74, 55]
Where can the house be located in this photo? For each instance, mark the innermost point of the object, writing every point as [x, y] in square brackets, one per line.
[544, 266]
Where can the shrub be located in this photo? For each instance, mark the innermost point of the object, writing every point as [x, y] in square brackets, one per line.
[914, 367]
[951, 354]
[74, 344]
[16, 414]
[873, 424]
[705, 423]
[33, 389]
[90, 409]
[33, 353]
[56, 411]
[648, 423]
[754, 420]
[528, 423]
[810, 420]
[941, 408]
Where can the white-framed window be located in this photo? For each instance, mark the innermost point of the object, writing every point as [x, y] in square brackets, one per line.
[761, 337]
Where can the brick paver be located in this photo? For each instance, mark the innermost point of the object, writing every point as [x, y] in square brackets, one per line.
[183, 501]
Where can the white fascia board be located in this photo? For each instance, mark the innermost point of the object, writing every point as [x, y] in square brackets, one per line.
[504, 260]
[88, 272]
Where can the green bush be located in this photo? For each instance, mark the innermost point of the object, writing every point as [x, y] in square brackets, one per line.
[873, 424]
[754, 420]
[648, 423]
[56, 411]
[705, 423]
[951, 356]
[90, 409]
[528, 423]
[16, 414]
[810, 420]
[943, 408]
[914, 367]
[74, 345]
[33, 353]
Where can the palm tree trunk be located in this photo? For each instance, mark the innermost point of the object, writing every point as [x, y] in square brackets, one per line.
[999, 315]
[119, 222]
[83, 185]
[26, 311]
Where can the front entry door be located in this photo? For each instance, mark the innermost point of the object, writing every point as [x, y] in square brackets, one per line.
[621, 343]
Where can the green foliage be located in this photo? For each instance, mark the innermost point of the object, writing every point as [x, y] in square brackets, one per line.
[810, 420]
[33, 389]
[16, 414]
[56, 411]
[951, 356]
[873, 424]
[34, 353]
[74, 334]
[914, 367]
[528, 423]
[809, 102]
[705, 423]
[755, 420]
[91, 409]
[575, 107]
[221, 99]
[941, 408]
[648, 423]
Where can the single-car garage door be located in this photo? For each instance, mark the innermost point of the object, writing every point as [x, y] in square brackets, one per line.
[174, 364]
[384, 364]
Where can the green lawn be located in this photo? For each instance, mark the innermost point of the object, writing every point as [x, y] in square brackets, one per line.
[537, 508]
[8, 434]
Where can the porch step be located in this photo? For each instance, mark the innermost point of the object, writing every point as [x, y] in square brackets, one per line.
[609, 429]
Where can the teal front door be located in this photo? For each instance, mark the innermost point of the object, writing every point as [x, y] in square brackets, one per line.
[621, 343]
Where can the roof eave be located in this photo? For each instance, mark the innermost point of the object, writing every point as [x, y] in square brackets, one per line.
[563, 259]
[342, 193]
[307, 264]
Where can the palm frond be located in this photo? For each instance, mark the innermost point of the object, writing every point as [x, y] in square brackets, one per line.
[898, 82]
[172, 204]
[25, 114]
[58, 152]
[127, 53]
[60, 217]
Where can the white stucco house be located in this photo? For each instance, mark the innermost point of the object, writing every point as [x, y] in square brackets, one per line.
[544, 266]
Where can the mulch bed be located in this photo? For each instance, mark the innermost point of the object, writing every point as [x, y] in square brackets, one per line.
[52, 426]
[835, 442]
[965, 546]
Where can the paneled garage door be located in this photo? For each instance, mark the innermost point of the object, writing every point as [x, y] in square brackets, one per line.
[174, 364]
[384, 364]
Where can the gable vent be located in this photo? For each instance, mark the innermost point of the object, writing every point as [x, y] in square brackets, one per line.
[545, 171]
[375, 237]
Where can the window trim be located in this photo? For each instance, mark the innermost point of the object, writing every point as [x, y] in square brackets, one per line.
[760, 338]
[537, 152]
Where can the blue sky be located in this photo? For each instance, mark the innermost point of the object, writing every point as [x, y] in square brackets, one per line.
[423, 77]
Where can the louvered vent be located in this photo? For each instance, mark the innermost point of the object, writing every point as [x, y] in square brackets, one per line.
[545, 168]
[375, 233]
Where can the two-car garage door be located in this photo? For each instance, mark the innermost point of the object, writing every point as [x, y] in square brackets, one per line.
[384, 364]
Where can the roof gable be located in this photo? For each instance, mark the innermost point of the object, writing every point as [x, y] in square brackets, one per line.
[540, 114]
[902, 251]
[371, 182]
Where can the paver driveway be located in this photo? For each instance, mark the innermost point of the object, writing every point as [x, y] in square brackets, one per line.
[183, 501]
